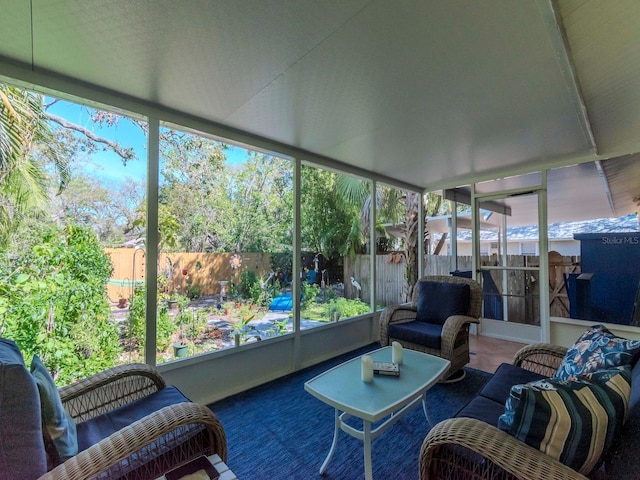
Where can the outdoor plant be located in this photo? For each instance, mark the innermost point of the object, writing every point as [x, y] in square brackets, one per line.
[53, 303]
[194, 323]
[240, 328]
[194, 291]
[279, 327]
[346, 308]
[249, 287]
[309, 293]
[136, 321]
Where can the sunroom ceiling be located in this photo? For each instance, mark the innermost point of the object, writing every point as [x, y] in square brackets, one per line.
[428, 93]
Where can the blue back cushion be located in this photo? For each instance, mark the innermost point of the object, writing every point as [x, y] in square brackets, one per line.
[22, 453]
[59, 429]
[437, 301]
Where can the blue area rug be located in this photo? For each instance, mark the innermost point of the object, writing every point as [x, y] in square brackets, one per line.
[279, 431]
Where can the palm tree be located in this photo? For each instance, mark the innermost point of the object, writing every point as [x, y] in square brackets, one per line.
[398, 208]
[23, 179]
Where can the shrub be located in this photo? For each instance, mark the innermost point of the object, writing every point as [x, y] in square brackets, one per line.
[136, 322]
[346, 308]
[194, 291]
[249, 287]
[309, 293]
[53, 303]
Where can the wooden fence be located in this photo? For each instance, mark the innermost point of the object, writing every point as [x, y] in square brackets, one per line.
[206, 270]
[202, 269]
[522, 287]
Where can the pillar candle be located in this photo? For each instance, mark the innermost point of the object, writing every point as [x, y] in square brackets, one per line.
[367, 368]
[396, 353]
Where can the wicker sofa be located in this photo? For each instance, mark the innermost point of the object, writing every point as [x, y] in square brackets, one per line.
[129, 424]
[470, 446]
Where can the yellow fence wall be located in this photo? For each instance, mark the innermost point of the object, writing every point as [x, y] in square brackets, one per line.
[204, 269]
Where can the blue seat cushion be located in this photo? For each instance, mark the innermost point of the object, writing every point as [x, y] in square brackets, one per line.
[481, 408]
[498, 388]
[437, 301]
[427, 334]
[100, 427]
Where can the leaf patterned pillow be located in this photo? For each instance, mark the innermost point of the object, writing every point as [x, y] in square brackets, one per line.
[597, 349]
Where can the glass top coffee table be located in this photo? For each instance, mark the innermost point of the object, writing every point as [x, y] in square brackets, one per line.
[387, 396]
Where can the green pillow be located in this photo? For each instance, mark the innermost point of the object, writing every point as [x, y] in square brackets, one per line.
[571, 421]
[58, 428]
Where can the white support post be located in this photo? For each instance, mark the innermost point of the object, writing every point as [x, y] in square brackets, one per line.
[151, 270]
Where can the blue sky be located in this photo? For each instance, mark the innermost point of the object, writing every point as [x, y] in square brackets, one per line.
[106, 165]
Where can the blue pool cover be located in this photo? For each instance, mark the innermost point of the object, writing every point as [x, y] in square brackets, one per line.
[282, 302]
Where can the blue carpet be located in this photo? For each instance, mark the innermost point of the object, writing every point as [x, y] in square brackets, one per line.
[279, 431]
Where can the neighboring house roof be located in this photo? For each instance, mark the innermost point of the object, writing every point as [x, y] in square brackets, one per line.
[562, 230]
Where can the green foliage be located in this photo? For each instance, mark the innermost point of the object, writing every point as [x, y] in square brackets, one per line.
[309, 293]
[136, 322]
[282, 261]
[250, 286]
[25, 154]
[53, 303]
[194, 322]
[241, 327]
[326, 217]
[346, 308]
[194, 291]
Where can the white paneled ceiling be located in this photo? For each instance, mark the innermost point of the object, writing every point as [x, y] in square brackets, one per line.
[424, 92]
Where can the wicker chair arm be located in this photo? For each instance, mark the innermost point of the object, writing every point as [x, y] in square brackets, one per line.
[110, 389]
[542, 358]
[122, 444]
[405, 312]
[450, 330]
[498, 447]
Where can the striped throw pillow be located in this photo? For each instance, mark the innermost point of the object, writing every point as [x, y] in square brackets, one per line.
[571, 421]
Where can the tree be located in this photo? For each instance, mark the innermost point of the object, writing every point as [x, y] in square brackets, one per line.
[398, 208]
[259, 211]
[326, 217]
[53, 303]
[23, 178]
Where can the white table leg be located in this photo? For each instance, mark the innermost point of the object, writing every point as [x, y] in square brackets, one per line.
[424, 408]
[325, 464]
[368, 474]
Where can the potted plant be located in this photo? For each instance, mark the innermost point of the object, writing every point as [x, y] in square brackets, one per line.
[180, 347]
[122, 302]
[177, 301]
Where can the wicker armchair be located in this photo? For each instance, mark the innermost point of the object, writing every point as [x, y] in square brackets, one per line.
[146, 448]
[471, 449]
[455, 331]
